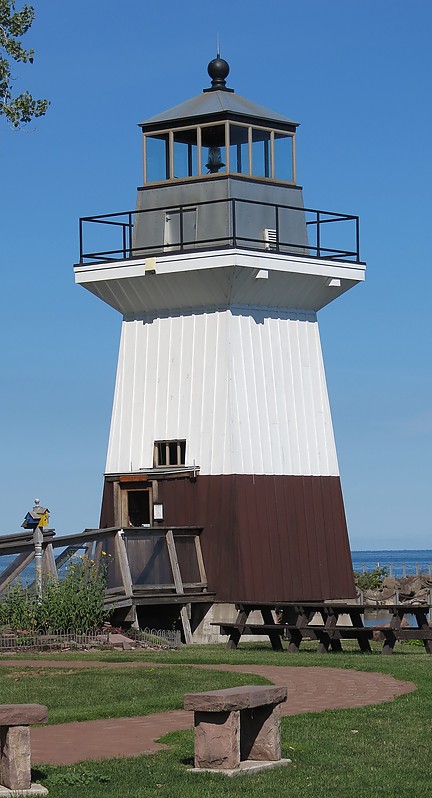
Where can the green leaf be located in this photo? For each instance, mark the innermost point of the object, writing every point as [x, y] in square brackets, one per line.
[13, 24]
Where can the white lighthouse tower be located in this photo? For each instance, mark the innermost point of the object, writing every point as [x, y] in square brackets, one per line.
[221, 416]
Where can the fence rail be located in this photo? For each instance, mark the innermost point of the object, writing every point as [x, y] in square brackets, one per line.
[401, 569]
[93, 638]
[121, 229]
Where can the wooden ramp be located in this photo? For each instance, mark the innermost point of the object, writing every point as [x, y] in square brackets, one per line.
[146, 566]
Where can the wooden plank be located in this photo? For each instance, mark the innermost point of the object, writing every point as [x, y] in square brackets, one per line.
[414, 634]
[330, 620]
[186, 625]
[172, 553]
[49, 563]
[153, 588]
[423, 629]
[18, 538]
[90, 549]
[15, 548]
[118, 603]
[187, 586]
[200, 559]
[66, 555]
[120, 548]
[295, 638]
[121, 552]
[275, 640]
[389, 641]
[15, 568]
[98, 552]
[175, 599]
[135, 531]
[238, 627]
[132, 478]
[362, 640]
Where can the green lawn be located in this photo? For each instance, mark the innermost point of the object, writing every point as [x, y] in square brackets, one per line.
[110, 693]
[379, 751]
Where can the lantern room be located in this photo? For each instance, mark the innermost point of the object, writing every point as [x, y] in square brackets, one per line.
[219, 172]
[218, 133]
[214, 167]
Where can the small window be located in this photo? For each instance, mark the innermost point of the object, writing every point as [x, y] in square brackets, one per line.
[169, 453]
[157, 158]
[239, 149]
[261, 153]
[185, 153]
[283, 157]
[213, 152]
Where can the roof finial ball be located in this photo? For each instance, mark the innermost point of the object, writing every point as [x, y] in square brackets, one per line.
[218, 70]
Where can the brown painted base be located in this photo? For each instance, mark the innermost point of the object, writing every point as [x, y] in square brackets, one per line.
[266, 538]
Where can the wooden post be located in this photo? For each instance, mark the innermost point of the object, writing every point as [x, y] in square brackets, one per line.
[18, 565]
[120, 547]
[172, 553]
[49, 563]
[200, 559]
[38, 540]
[98, 553]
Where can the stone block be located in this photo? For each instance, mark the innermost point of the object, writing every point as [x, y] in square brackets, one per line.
[22, 714]
[217, 740]
[235, 698]
[35, 791]
[260, 734]
[15, 757]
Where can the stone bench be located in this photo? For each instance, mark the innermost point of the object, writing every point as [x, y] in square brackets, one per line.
[15, 746]
[237, 729]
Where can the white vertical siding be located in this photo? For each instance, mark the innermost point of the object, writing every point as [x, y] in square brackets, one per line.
[245, 387]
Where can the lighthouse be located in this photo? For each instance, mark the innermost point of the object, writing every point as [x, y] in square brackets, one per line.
[221, 417]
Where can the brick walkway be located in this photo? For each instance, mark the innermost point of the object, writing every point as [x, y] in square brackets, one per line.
[309, 690]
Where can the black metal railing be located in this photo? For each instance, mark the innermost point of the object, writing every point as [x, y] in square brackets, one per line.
[135, 237]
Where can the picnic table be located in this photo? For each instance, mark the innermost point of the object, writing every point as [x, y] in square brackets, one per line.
[329, 622]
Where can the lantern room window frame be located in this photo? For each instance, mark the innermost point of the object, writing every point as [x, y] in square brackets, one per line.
[169, 135]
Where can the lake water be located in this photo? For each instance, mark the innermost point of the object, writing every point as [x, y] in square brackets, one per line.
[410, 558]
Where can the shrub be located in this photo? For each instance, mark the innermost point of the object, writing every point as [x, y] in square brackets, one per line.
[74, 602]
[371, 580]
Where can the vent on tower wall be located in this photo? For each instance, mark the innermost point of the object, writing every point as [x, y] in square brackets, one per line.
[270, 238]
[169, 453]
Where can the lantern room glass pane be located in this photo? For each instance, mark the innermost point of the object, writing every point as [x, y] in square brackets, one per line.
[185, 153]
[157, 157]
[283, 157]
[261, 152]
[213, 149]
[239, 149]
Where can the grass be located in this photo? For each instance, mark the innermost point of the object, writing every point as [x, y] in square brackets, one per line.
[380, 751]
[116, 693]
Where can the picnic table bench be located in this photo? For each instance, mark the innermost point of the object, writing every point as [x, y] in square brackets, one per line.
[297, 623]
[15, 746]
[237, 729]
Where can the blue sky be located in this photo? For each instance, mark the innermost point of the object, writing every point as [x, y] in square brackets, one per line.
[356, 74]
